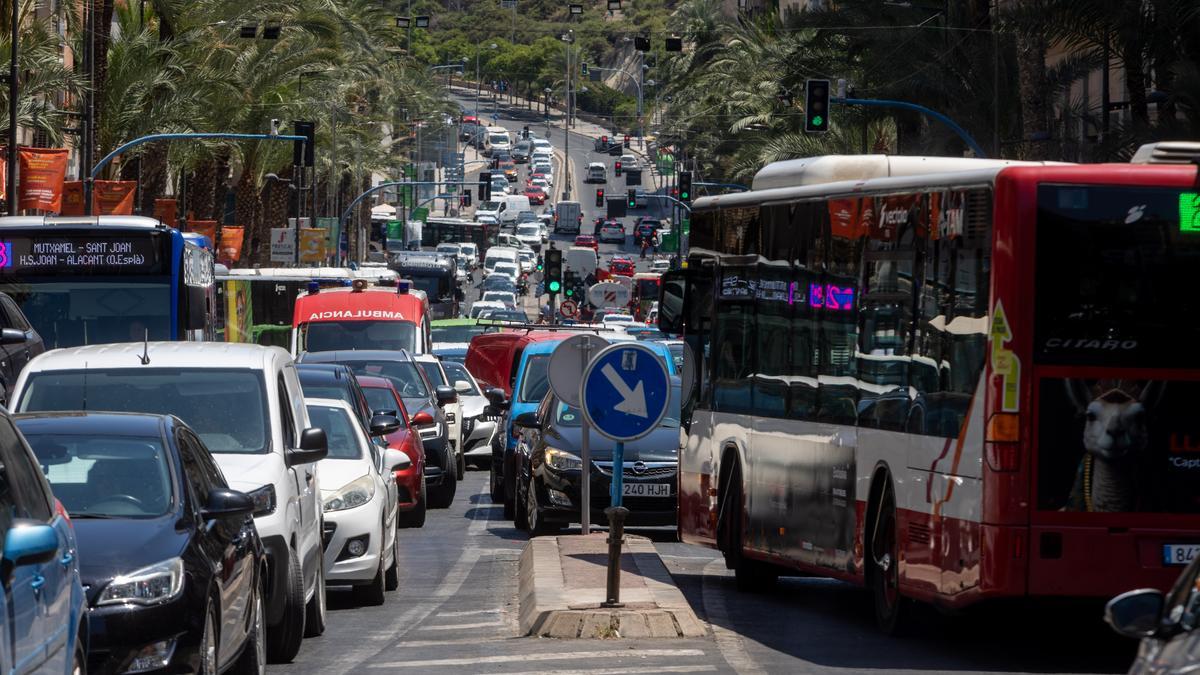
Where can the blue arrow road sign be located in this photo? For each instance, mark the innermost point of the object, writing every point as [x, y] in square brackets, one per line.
[625, 391]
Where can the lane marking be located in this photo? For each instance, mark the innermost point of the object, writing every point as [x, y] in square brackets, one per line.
[479, 525]
[462, 626]
[454, 641]
[620, 671]
[562, 656]
[472, 612]
[733, 649]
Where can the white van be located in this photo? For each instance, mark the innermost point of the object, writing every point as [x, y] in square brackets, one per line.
[245, 402]
[581, 261]
[498, 254]
[497, 139]
[512, 205]
[489, 209]
[596, 173]
[568, 216]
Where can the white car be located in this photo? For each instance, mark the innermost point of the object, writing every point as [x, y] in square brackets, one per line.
[453, 409]
[480, 307]
[612, 232]
[487, 219]
[359, 497]
[528, 259]
[616, 321]
[546, 173]
[541, 183]
[449, 248]
[530, 235]
[479, 434]
[542, 144]
[468, 255]
[246, 404]
[510, 270]
[628, 162]
[504, 297]
[660, 265]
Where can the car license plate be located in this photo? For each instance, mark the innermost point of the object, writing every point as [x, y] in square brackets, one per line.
[1179, 554]
[646, 489]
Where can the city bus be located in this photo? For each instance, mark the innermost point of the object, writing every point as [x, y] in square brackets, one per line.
[434, 273]
[459, 230]
[947, 379]
[99, 279]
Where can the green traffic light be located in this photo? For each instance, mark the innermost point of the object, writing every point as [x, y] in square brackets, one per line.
[817, 120]
[570, 292]
[555, 287]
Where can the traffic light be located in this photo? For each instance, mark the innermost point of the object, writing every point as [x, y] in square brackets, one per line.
[485, 186]
[631, 199]
[627, 140]
[604, 140]
[642, 44]
[674, 44]
[583, 68]
[599, 197]
[617, 169]
[685, 186]
[466, 198]
[816, 106]
[302, 151]
[553, 272]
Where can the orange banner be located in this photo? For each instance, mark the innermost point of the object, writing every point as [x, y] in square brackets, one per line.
[844, 218]
[3, 172]
[230, 248]
[167, 211]
[43, 171]
[113, 197]
[894, 217]
[312, 245]
[72, 200]
[207, 228]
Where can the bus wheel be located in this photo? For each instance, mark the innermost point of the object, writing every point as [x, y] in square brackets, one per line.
[750, 575]
[884, 564]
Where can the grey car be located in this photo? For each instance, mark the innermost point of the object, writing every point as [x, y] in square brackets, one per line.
[1166, 624]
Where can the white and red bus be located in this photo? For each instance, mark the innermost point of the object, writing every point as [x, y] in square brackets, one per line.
[950, 380]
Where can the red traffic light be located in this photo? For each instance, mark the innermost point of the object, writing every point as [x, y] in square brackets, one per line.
[599, 197]
[617, 168]
[604, 139]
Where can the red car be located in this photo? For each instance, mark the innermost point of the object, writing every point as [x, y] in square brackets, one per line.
[535, 194]
[622, 267]
[587, 240]
[382, 396]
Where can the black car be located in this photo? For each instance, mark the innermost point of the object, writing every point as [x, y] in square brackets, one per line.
[424, 403]
[19, 343]
[332, 380]
[549, 469]
[170, 560]
[1166, 624]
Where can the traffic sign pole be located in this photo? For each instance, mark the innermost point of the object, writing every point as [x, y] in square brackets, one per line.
[585, 455]
[618, 470]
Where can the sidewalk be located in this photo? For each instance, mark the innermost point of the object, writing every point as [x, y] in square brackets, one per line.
[562, 585]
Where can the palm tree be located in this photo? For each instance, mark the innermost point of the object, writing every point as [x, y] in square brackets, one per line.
[46, 86]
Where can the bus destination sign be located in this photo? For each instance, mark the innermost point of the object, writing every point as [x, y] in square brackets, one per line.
[84, 253]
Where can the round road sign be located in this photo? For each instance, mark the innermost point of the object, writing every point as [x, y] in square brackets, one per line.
[568, 308]
[625, 391]
[567, 363]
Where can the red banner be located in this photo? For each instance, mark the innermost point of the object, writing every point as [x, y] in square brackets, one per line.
[167, 211]
[43, 171]
[894, 216]
[230, 248]
[72, 200]
[207, 228]
[113, 197]
[3, 172]
[844, 222]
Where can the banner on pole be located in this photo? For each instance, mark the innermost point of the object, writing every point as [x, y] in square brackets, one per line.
[208, 228]
[283, 244]
[167, 211]
[230, 249]
[43, 172]
[312, 245]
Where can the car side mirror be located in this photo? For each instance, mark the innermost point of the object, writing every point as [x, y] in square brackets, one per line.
[382, 425]
[422, 419]
[29, 543]
[12, 336]
[445, 394]
[462, 387]
[226, 503]
[1135, 614]
[313, 447]
[395, 460]
[526, 420]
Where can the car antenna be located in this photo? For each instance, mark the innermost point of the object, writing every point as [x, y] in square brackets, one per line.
[145, 357]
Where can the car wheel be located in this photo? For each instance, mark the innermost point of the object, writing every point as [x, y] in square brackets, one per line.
[314, 617]
[443, 495]
[414, 517]
[520, 511]
[496, 488]
[372, 593]
[533, 513]
[283, 640]
[391, 579]
[253, 660]
[208, 643]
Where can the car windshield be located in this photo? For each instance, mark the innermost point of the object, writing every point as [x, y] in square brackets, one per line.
[498, 296]
[402, 374]
[529, 231]
[458, 373]
[103, 475]
[468, 249]
[344, 440]
[497, 282]
[224, 406]
[381, 400]
[448, 248]
[488, 206]
[455, 333]
[325, 336]
[535, 380]
[510, 270]
[498, 139]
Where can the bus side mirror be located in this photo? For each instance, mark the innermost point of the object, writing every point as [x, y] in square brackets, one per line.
[671, 301]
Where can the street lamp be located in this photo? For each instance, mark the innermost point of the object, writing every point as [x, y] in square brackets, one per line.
[478, 79]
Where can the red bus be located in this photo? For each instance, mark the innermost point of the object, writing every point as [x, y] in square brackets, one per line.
[949, 380]
[362, 317]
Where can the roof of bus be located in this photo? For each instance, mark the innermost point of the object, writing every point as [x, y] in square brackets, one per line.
[346, 304]
[638, 276]
[444, 323]
[308, 273]
[838, 168]
[128, 222]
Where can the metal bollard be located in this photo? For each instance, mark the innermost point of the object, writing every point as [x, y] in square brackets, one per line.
[616, 534]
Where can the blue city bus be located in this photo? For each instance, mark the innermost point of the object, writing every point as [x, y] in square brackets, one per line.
[101, 279]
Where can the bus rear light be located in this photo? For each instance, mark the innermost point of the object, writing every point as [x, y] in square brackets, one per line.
[1003, 456]
[1004, 428]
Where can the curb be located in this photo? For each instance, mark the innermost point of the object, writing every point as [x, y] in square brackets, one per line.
[547, 610]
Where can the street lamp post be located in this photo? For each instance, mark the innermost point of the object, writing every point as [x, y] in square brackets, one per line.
[478, 79]
[567, 38]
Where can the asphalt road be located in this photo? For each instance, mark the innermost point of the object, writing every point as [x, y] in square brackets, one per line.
[456, 612]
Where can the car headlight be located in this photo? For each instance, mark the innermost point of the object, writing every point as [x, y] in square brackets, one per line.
[560, 460]
[264, 500]
[151, 585]
[430, 432]
[353, 494]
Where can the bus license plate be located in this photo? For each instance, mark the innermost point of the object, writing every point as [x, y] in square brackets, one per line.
[646, 489]
[1179, 554]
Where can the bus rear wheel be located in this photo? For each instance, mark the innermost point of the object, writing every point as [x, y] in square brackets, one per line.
[750, 575]
[885, 568]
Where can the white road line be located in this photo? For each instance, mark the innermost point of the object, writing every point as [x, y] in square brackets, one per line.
[561, 656]
[479, 525]
[730, 643]
[621, 671]
[463, 626]
[471, 612]
[408, 644]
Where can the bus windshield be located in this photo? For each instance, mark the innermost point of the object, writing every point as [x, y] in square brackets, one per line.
[95, 310]
[462, 333]
[325, 336]
[1114, 277]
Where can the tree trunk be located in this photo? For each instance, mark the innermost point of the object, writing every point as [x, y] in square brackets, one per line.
[1035, 99]
[221, 186]
[153, 175]
[202, 185]
[103, 30]
[246, 210]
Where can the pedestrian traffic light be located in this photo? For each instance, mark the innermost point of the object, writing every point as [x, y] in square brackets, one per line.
[685, 186]
[485, 186]
[617, 169]
[627, 140]
[631, 198]
[553, 271]
[816, 106]
[599, 197]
